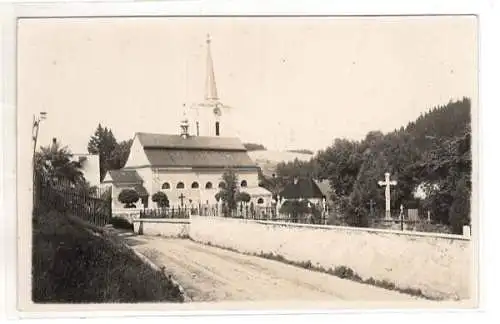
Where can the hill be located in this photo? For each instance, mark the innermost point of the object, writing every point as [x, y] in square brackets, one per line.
[269, 160]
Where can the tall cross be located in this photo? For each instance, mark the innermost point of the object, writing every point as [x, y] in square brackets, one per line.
[387, 183]
[181, 197]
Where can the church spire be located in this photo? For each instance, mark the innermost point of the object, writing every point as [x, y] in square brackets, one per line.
[210, 86]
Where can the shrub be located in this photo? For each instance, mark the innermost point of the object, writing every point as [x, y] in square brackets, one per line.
[161, 199]
[243, 196]
[128, 197]
[118, 222]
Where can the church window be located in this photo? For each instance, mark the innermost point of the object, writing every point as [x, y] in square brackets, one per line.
[243, 183]
[217, 129]
[222, 185]
[166, 185]
[180, 185]
[208, 185]
[195, 185]
[260, 201]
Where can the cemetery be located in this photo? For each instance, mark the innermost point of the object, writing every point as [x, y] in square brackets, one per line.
[352, 206]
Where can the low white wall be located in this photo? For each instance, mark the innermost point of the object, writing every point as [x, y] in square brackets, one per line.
[164, 227]
[129, 214]
[439, 265]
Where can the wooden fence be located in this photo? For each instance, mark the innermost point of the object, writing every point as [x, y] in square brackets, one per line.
[93, 206]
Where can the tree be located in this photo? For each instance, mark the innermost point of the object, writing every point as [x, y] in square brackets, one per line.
[103, 142]
[128, 197]
[161, 199]
[55, 162]
[302, 151]
[254, 147]
[229, 192]
[340, 164]
[243, 197]
[119, 155]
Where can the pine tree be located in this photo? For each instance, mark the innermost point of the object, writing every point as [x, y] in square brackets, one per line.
[103, 143]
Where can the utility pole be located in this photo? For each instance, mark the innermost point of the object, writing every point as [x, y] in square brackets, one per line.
[35, 128]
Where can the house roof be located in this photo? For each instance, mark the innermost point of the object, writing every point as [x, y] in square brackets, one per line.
[302, 188]
[169, 141]
[125, 176]
[325, 187]
[198, 158]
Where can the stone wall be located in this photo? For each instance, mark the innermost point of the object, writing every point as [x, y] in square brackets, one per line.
[438, 264]
[163, 227]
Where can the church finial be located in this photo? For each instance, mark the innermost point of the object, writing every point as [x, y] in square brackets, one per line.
[210, 86]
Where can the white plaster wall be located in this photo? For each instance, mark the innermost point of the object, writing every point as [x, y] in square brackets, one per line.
[438, 265]
[188, 176]
[137, 157]
[90, 168]
[129, 214]
[252, 178]
[163, 227]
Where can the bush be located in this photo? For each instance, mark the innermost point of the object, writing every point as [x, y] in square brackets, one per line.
[243, 196]
[128, 197]
[161, 199]
[118, 222]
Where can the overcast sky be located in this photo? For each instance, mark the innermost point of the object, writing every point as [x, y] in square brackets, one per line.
[292, 82]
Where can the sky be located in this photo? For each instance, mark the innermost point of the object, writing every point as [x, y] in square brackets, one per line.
[292, 83]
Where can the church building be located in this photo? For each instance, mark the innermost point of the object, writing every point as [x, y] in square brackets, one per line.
[188, 166]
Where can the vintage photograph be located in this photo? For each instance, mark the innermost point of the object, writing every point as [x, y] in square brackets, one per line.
[190, 160]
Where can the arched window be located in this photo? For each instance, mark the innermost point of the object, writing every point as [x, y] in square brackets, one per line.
[195, 185]
[208, 185]
[166, 185]
[243, 183]
[180, 185]
[260, 201]
[222, 185]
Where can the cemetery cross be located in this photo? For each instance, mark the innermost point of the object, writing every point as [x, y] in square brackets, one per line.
[387, 183]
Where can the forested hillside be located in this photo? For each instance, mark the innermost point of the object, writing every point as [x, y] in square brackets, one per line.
[432, 152]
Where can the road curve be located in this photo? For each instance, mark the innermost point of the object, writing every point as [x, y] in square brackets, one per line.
[210, 274]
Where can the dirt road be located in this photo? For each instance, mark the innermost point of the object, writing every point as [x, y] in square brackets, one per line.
[212, 274]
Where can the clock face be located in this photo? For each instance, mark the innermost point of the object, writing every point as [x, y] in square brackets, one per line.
[217, 111]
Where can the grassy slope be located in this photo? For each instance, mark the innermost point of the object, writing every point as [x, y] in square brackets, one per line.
[71, 265]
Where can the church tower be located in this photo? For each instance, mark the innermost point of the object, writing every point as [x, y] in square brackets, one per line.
[211, 117]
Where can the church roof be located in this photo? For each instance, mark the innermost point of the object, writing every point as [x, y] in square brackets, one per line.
[198, 158]
[166, 150]
[169, 141]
